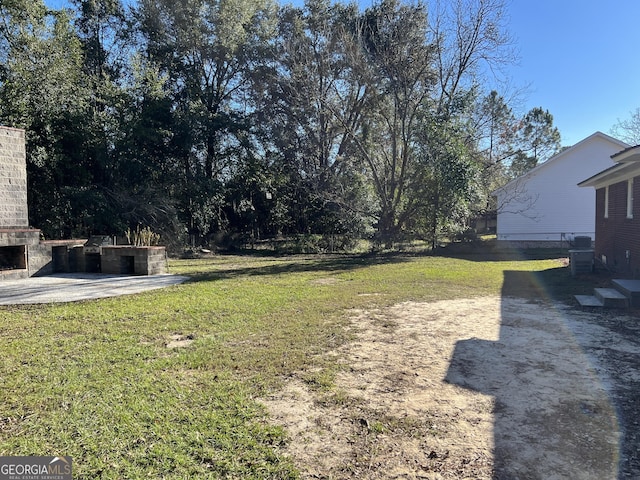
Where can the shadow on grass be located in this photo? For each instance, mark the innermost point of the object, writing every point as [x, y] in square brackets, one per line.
[480, 252]
[552, 284]
[294, 264]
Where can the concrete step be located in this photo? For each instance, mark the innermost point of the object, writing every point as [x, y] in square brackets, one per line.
[630, 288]
[611, 298]
[588, 301]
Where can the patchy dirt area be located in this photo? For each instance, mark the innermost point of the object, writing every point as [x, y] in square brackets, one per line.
[485, 388]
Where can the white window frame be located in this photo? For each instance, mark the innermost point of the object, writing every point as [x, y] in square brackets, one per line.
[606, 201]
[630, 198]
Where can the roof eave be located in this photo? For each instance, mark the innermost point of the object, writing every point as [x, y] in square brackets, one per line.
[619, 173]
[631, 154]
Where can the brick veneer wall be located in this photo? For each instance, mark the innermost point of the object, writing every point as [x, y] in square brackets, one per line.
[617, 234]
[13, 179]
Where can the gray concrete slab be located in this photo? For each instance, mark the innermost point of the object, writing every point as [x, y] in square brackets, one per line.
[588, 301]
[611, 298]
[631, 288]
[73, 287]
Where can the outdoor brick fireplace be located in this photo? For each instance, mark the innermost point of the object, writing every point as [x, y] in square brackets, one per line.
[16, 238]
[23, 254]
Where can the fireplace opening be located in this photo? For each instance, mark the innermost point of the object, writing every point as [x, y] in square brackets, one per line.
[13, 257]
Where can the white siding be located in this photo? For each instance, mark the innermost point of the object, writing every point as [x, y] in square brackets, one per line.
[549, 204]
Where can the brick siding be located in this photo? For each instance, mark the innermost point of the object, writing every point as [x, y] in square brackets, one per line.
[618, 237]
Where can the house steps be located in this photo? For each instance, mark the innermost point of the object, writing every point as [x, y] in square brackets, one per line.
[588, 301]
[631, 289]
[611, 298]
[624, 294]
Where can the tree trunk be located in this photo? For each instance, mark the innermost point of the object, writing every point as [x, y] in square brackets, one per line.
[387, 227]
[434, 219]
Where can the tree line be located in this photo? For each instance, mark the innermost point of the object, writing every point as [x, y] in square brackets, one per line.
[250, 119]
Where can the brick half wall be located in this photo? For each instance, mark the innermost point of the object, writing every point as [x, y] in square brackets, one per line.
[123, 259]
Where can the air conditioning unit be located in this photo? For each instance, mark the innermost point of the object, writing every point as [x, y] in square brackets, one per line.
[582, 243]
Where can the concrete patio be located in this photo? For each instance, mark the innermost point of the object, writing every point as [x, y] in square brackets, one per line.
[73, 287]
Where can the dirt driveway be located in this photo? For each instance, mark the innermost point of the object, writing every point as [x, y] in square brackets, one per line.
[485, 388]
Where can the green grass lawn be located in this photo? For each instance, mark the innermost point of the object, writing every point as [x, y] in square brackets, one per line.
[95, 380]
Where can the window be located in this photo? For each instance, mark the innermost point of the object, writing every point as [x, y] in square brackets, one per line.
[630, 198]
[606, 201]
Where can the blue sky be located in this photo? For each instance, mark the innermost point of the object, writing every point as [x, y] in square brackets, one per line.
[580, 58]
[577, 58]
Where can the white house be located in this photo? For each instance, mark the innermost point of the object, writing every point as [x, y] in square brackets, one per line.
[546, 204]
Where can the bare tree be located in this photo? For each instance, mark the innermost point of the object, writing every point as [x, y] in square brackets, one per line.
[516, 199]
[472, 46]
[628, 130]
[472, 40]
